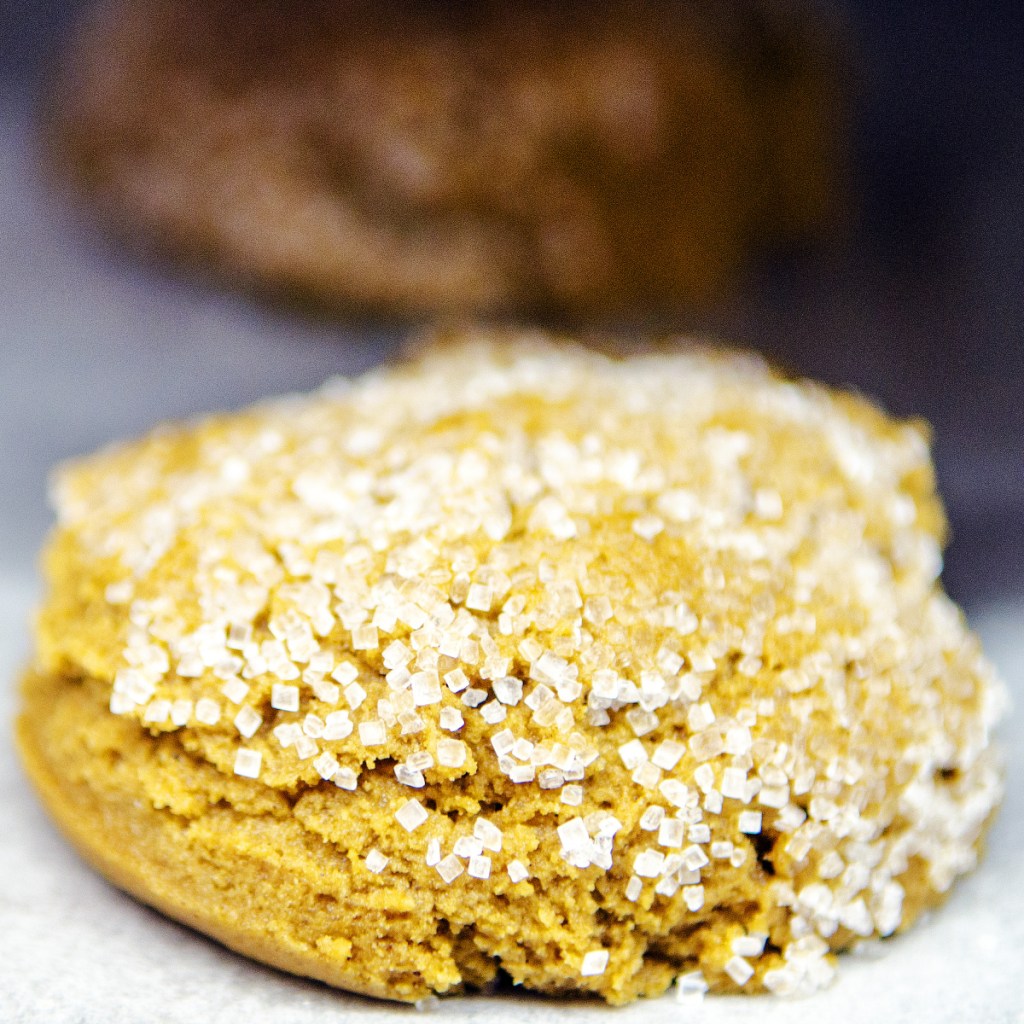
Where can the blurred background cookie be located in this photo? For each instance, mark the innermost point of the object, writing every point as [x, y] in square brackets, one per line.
[478, 157]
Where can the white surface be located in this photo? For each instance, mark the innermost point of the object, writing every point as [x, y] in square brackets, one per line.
[74, 950]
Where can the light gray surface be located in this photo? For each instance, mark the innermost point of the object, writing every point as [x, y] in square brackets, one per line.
[76, 951]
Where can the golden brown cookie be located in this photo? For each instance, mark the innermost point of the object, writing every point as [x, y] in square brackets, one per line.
[418, 157]
[518, 659]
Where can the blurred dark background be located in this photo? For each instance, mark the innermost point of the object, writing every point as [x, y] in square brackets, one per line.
[923, 309]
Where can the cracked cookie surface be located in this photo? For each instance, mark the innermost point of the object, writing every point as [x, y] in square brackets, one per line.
[518, 659]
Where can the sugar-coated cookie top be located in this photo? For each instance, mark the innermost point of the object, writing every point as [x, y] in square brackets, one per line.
[669, 604]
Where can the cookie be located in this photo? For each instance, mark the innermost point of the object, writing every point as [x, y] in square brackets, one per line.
[416, 158]
[519, 661]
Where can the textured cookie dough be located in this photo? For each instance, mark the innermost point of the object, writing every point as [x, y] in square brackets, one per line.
[519, 659]
[415, 156]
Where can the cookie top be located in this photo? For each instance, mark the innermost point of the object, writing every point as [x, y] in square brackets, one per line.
[663, 634]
